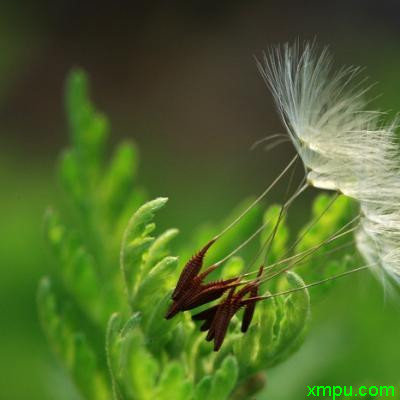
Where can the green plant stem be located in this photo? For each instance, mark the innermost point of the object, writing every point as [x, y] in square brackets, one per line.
[251, 386]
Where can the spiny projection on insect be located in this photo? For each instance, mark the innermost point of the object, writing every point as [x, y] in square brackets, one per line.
[344, 148]
[191, 293]
[217, 318]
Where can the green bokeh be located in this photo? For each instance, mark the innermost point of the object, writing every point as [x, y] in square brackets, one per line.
[355, 330]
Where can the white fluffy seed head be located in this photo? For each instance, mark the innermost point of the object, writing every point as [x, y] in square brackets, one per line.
[379, 236]
[344, 146]
[325, 116]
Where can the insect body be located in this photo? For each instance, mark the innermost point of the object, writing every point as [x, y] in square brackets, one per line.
[190, 270]
[250, 307]
[217, 318]
[191, 292]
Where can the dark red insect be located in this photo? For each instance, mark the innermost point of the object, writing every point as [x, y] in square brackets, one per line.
[190, 270]
[250, 308]
[216, 319]
[211, 291]
[223, 315]
[191, 292]
[207, 316]
[197, 293]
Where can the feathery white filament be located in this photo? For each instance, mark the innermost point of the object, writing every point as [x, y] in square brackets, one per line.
[344, 146]
[324, 114]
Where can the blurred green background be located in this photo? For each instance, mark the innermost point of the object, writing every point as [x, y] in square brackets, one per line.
[180, 79]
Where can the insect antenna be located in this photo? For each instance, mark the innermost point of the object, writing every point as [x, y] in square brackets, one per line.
[243, 244]
[282, 210]
[259, 198]
[312, 224]
[300, 189]
[312, 249]
[307, 286]
[306, 253]
[257, 232]
[297, 258]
